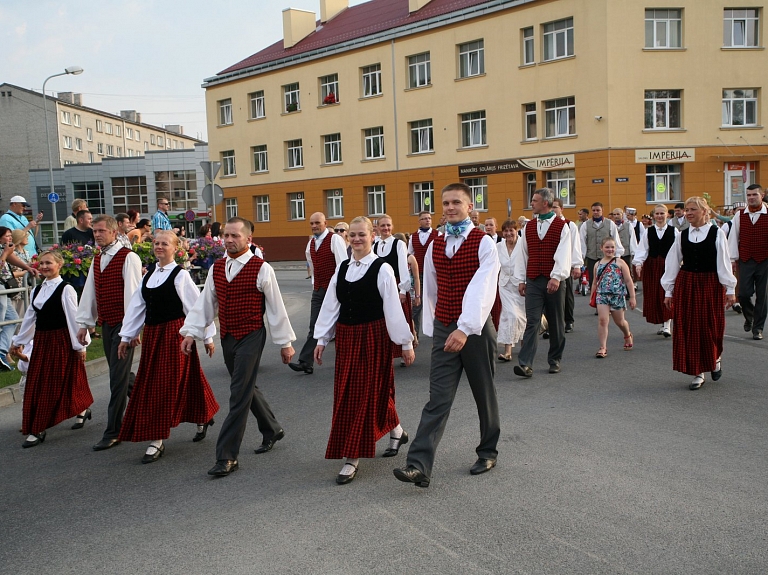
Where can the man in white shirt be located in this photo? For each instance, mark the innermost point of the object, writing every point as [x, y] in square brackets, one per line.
[417, 246]
[576, 262]
[248, 286]
[679, 221]
[491, 228]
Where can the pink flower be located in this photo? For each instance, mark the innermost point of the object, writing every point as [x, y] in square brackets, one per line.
[55, 246]
[80, 248]
[77, 261]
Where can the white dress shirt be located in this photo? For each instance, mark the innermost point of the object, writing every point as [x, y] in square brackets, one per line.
[675, 258]
[733, 237]
[635, 225]
[423, 237]
[562, 266]
[481, 292]
[206, 308]
[68, 302]
[641, 253]
[137, 309]
[384, 247]
[613, 232]
[397, 327]
[87, 312]
[577, 257]
[338, 247]
[632, 238]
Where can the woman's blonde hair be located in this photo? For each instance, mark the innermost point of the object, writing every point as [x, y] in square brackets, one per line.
[171, 234]
[660, 207]
[55, 254]
[19, 236]
[701, 203]
[362, 220]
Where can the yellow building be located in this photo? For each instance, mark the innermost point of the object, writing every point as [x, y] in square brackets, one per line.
[376, 107]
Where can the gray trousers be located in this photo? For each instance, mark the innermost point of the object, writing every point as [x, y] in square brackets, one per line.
[753, 279]
[569, 300]
[476, 359]
[307, 354]
[538, 301]
[120, 378]
[242, 358]
[417, 309]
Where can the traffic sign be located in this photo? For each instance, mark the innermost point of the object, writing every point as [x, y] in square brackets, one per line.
[210, 169]
[190, 215]
[213, 194]
[53, 197]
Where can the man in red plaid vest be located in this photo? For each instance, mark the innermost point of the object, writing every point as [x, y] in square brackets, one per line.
[325, 251]
[541, 270]
[461, 270]
[418, 245]
[114, 275]
[242, 290]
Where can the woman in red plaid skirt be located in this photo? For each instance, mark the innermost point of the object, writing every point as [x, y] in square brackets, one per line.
[699, 286]
[170, 387]
[57, 386]
[362, 310]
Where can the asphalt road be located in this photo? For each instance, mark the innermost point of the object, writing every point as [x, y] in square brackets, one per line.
[612, 466]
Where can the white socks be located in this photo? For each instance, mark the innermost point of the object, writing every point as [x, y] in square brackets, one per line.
[394, 436]
[350, 465]
[154, 447]
[32, 437]
[668, 325]
[200, 428]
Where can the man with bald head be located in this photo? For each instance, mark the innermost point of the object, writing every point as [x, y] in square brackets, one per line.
[325, 251]
[474, 216]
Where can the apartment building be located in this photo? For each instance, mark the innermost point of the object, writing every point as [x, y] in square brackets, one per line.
[374, 108]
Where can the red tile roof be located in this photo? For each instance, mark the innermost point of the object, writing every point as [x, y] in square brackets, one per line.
[355, 22]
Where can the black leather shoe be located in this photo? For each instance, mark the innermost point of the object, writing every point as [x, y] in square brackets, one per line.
[40, 437]
[523, 371]
[747, 325]
[223, 468]
[200, 435]
[757, 334]
[344, 479]
[545, 335]
[718, 373]
[155, 456]
[737, 308]
[482, 465]
[392, 451]
[409, 474]
[554, 368]
[568, 328]
[268, 444]
[301, 366]
[105, 444]
[81, 419]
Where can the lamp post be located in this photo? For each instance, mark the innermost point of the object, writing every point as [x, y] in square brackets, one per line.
[74, 70]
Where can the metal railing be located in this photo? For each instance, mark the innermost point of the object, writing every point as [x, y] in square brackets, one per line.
[25, 290]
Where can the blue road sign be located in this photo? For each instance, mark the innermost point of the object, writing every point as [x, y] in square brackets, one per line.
[53, 197]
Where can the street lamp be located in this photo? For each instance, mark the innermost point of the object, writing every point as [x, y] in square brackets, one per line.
[74, 70]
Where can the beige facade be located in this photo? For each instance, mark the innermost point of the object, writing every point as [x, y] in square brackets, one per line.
[634, 104]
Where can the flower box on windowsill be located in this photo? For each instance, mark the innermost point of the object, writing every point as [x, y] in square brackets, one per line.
[330, 99]
[291, 108]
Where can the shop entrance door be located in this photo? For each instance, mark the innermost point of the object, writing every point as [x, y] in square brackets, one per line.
[738, 175]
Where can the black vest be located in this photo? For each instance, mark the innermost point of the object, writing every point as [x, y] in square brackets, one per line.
[701, 257]
[50, 316]
[360, 300]
[659, 248]
[163, 303]
[637, 225]
[390, 258]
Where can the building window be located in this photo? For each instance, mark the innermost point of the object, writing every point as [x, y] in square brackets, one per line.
[662, 109]
[663, 183]
[99, 126]
[66, 117]
[530, 121]
[374, 143]
[119, 152]
[91, 158]
[225, 112]
[67, 142]
[131, 153]
[423, 197]
[118, 130]
[478, 187]
[332, 148]
[138, 135]
[421, 136]
[296, 204]
[558, 39]
[100, 148]
[329, 89]
[180, 187]
[130, 193]
[371, 80]
[108, 128]
[129, 133]
[92, 193]
[257, 105]
[160, 141]
[291, 97]
[528, 54]
[181, 144]
[79, 144]
[530, 187]
[471, 59]
[473, 129]
[377, 204]
[110, 150]
[419, 70]
[77, 120]
[260, 163]
[228, 163]
[262, 208]
[560, 117]
[564, 184]
[663, 28]
[740, 107]
[740, 27]
[230, 207]
[89, 134]
[295, 154]
[335, 202]
[152, 139]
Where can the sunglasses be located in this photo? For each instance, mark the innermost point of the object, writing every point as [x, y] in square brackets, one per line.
[339, 230]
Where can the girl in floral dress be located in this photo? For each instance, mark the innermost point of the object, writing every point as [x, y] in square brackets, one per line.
[612, 281]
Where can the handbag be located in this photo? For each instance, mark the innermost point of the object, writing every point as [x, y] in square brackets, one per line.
[593, 298]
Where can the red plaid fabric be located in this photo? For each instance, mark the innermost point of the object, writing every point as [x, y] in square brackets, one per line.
[363, 390]
[654, 310]
[323, 262]
[170, 387]
[753, 238]
[241, 304]
[397, 350]
[109, 286]
[699, 314]
[496, 310]
[454, 274]
[419, 251]
[57, 386]
[541, 253]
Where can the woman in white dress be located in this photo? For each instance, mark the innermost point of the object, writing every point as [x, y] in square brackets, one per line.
[512, 322]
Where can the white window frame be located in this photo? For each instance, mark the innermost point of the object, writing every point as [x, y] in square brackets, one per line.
[528, 51]
[262, 208]
[161, 141]
[260, 158]
[371, 80]
[560, 113]
[419, 70]
[258, 110]
[531, 185]
[99, 126]
[131, 153]
[422, 141]
[373, 139]
[296, 207]
[119, 152]
[225, 112]
[743, 100]
[152, 139]
[530, 122]
[745, 22]
[228, 163]
[377, 200]
[332, 149]
[291, 94]
[563, 179]
[91, 158]
[67, 142]
[329, 85]
[78, 144]
[295, 150]
[665, 174]
[118, 130]
[665, 105]
[558, 39]
[128, 133]
[77, 120]
[334, 200]
[138, 135]
[478, 187]
[472, 59]
[108, 128]
[230, 207]
[66, 117]
[110, 151]
[89, 134]
[100, 148]
[423, 197]
[663, 28]
[473, 130]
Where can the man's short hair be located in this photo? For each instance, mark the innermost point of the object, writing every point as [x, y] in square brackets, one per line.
[597, 204]
[546, 194]
[757, 187]
[425, 212]
[81, 214]
[108, 220]
[460, 186]
[162, 199]
[584, 211]
[246, 223]
[77, 203]
[121, 216]
[558, 201]
[679, 206]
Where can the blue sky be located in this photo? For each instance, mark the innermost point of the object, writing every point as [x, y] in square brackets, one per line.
[149, 56]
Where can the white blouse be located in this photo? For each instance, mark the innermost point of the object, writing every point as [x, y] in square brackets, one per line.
[397, 327]
[383, 249]
[641, 254]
